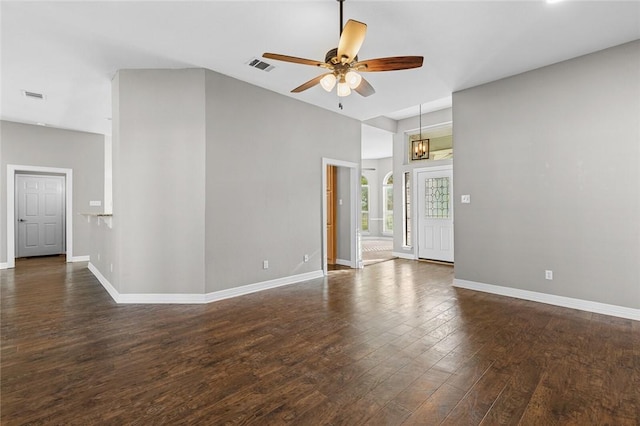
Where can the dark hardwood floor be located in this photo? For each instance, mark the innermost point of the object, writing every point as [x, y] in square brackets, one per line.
[391, 344]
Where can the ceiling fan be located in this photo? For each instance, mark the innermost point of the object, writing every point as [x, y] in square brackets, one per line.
[343, 63]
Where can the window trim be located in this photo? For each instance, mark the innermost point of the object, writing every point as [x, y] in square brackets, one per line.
[386, 186]
[407, 214]
[362, 187]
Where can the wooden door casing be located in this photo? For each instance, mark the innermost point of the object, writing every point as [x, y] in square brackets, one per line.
[331, 214]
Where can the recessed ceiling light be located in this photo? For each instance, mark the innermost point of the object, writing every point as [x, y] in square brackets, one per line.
[553, 1]
[41, 124]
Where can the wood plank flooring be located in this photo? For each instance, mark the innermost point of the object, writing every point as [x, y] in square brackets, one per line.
[388, 345]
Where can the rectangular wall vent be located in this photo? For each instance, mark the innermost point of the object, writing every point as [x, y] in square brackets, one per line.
[261, 65]
[33, 95]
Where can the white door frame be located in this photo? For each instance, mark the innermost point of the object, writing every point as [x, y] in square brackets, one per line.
[354, 229]
[414, 195]
[41, 188]
[12, 169]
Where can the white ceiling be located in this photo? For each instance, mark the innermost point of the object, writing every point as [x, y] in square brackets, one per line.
[69, 51]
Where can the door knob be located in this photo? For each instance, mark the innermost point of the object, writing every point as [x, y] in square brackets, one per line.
[21, 220]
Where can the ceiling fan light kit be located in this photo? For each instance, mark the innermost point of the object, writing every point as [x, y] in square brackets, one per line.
[344, 65]
[343, 89]
[353, 79]
[328, 82]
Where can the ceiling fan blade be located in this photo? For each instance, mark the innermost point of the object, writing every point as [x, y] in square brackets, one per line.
[364, 88]
[389, 64]
[309, 84]
[351, 40]
[293, 59]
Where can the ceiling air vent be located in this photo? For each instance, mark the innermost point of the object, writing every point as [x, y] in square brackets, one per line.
[261, 65]
[33, 95]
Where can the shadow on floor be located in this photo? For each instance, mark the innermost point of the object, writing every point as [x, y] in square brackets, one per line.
[375, 251]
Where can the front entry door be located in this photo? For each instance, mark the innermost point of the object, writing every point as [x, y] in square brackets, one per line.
[40, 214]
[435, 215]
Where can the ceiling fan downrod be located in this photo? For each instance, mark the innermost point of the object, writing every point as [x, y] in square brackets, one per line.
[341, 19]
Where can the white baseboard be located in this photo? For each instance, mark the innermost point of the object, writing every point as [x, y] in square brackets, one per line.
[551, 299]
[182, 298]
[343, 262]
[408, 256]
[105, 283]
[4, 265]
[79, 259]
[265, 285]
[159, 298]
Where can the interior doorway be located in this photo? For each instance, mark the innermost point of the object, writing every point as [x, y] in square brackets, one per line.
[40, 215]
[340, 213]
[12, 219]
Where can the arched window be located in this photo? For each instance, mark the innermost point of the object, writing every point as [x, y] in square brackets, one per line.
[387, 204]
[365, 204]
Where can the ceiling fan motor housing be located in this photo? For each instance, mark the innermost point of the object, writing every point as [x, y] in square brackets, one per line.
[331, 57]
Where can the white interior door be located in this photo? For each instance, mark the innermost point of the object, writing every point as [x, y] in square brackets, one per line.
[40, 210]
[435, 215]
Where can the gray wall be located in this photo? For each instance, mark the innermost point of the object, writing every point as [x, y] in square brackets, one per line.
[401, 164]
[159, 181]
[103, 252]
[30, 145]
[551, 159]
[264, 181]
[212, 176]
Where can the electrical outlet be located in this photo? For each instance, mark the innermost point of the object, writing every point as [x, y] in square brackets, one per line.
[465, 199]
[98, 256]
[548, 275]
[265, 264]
[306, 257]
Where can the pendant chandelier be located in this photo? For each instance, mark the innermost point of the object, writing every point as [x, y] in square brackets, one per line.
[420, 147]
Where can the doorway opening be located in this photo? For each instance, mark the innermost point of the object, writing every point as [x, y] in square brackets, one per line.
[38, 224]
[427, 195]
[40, 214]
[340, 215]
[377, 211]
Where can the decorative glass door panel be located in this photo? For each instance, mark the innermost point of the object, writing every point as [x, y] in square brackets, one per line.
[437, 198]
